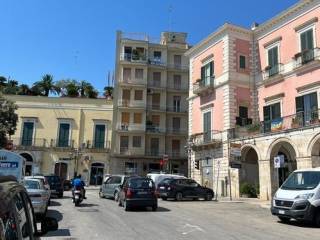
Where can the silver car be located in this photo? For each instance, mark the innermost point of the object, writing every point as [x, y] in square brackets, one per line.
[110, 188]
[38, 194]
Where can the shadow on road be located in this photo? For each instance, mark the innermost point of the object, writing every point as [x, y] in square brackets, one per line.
[59, 233]
[55, 214]
[143, 209]
[298, 224]
[54, 203]
[88, 205]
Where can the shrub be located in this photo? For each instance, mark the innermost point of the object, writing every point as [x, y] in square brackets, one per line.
[248, 189]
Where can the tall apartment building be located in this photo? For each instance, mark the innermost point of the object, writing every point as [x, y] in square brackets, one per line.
[256, 93]
[64, 136]
[150, 106]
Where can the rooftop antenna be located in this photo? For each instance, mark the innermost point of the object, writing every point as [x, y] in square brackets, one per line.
[170, 10]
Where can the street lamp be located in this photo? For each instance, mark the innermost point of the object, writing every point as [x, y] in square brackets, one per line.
[76, 154]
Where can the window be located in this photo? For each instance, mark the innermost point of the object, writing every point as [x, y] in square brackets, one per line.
[177, 82]
[175, 148]
[124, 144]
[127, 53]
[176, 103]
[207, 72]
[126, 94]
[243, 119]
[27, 133]
[307, 108]
[273, 61]
[156, 79]
[139, 73]
[157, 55]
[155, 143]
[243, 112]
[138, 95]
[307, 46]
[155, 120]
[156, 101]
[177, 60]
[176, 124]
[137, 118]
[99, 135]
[115, 180]
[136, 141]
[242, 62]
[130, 168]
[270, 113]
[64, 134]
[207, 126]
[126, 74]
[125, 117]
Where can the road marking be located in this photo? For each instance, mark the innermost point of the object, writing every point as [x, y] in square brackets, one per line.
[188, 228]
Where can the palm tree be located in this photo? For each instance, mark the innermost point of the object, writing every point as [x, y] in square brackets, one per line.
[24, 90]
[90, 92]
[11, 87]
[47, 85]
[84, 86]
[108, 92]
[72, 89]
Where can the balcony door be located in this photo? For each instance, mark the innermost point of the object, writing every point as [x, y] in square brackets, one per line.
[124, 144]
[307, 108]
[176, 103]
[64, 134]
[175, 148]
[177, 61]
[207, 126]
[154, 142]
[99, 136]
[273, 61]
[176, 124]
[271, 113]
[27, 134]
[307, 46]
[207, 73]
[156, 101]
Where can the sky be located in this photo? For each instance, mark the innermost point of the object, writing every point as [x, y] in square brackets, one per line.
[76, 38]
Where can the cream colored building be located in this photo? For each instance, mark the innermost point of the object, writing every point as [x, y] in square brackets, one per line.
[150, 108]
[64, 136]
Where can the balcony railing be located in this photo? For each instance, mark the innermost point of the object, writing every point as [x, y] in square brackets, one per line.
[272, 71]
[97, 145]
[156, 84]
[131, 127]
[307, 56]
[155, 129]
[177, 109]
[177, 131]
[131, 57]
[209, 137]
[134, 81]
[203, 85]
[177, 87]
[157, 62]
[62, 143]
[156, 107]
[128, 103]
[287, 123]
[178, 66]
[30, 143]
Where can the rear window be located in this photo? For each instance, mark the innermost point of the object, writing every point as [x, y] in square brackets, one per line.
[53, 179]
[141, 183]
[167, 181]
[29, 184]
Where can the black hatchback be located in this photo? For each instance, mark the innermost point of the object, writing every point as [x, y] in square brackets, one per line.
[56, 185]
[183, 188]
[138, 192]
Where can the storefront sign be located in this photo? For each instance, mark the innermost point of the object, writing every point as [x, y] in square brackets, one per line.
[278, 161]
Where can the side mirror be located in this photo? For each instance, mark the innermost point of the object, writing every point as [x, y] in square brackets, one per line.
[48, 224]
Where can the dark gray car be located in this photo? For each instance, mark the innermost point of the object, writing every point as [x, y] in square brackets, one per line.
[110, 188]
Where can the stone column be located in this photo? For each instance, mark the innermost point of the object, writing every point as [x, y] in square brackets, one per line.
[315, 161]
[265, 180]
[304, 162]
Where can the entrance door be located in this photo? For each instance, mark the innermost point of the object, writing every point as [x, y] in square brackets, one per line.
[29, 164]
[61, 169]
[96, 175]
[284, 172]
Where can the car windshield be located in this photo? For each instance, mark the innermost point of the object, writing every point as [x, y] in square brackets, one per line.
[302, 181]
[141, 183]
[30, 184]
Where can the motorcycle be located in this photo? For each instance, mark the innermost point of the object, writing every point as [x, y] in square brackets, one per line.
[77, 196]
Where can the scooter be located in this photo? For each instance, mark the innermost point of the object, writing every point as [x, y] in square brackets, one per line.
[77, 196]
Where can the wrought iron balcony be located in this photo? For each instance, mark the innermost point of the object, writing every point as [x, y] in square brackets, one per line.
[272, 71]
[207, 138]
[177, 66]
[97, 145]
[131, 57]
[203, 85]
[307, 56]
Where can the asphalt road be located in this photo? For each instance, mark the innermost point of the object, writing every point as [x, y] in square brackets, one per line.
[103, 219]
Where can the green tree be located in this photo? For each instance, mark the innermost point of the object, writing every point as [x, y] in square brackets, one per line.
[47, 85]
[11, 87]
[108, 92]
[3, 81]
[8, 120]
[24, 90]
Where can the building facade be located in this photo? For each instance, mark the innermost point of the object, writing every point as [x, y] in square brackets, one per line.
[260, 104]
[64, 136]
[150, 107]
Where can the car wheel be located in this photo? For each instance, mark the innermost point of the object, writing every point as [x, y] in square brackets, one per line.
[101, 194]
[116, 196]
[317, 219]
[164, 198]
[125, 205]
[208, 197]
[179, 196]
[284, 219]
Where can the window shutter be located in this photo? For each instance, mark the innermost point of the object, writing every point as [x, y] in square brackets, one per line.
[303, 41]
[299, 104]
[309, 35]
[276, 112]
[266, 113]
[211, 68]
[203, 73]
[313, 101]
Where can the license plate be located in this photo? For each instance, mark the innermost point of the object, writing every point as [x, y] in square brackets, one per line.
[281, 212]
[142, 193]
[162, 187]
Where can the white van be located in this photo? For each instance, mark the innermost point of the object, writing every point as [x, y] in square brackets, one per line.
[299, 197]
[158, 177]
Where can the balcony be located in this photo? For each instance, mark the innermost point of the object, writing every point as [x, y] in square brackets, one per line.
[203, 86]
[30, 144]
[157, 62]
[156, 107]
[177, 109]
[177, 88]
[156, 84]
[273, 74]
[97, 146]
[133, 81]
[177, 131]
[134, 58]
[307, 60]
[126, 127]
[178, 66]
[300, 120]
[155, 129]
[126, 151]
[131, 104]
[206, 139]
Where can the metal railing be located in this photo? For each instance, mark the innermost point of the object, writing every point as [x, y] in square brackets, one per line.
[156, 84]
[207, 137]
[131, 127]
[134, 81]
[131, 103]
[177, 109]
[286, 123]
[177, 131]
[157, 62]
[307, 56]
[271, 71]
[31, 143]
[131, 57]
[177, 87]
[97, 145]
[178, 66]
[156, 106]
[155, 129]
[203, 84]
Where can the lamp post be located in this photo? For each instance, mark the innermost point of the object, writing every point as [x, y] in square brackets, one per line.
[76, 154]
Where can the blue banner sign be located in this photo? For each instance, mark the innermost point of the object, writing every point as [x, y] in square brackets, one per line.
[11, 164]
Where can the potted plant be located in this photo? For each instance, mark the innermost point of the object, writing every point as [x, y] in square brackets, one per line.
[267, 68]
[253, 128]
[248, 190]
[295, 122]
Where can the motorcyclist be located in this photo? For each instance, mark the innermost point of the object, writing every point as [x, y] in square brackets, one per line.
[77, 182]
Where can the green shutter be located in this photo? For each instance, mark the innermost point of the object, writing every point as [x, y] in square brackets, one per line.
[64, 135]
[27, 134]
[266, 113]
[211, 69]
[242, 62]
[299, 104]
[99, 136]
[275, 111]
[313, 101]
[303, 41]
[309, 36]
[203, 69]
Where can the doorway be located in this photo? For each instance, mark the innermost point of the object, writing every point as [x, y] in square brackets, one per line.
[96, 173]
[61, 170]
[29, 164]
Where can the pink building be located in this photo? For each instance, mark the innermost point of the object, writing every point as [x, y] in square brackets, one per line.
[254, 96]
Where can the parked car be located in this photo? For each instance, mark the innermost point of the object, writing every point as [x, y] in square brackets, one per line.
[111, 187]
[38, 194]
[179, 189]
[17, 215]
[158, 177]
[138, 192]
[106, 176]
[56, 185]
[299, 197]
[44, 181]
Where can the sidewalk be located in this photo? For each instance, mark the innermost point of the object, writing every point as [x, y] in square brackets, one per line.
[254, 201]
